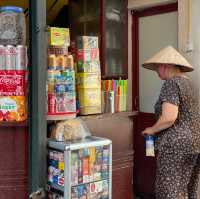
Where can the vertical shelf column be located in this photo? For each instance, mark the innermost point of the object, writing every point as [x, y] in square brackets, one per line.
[37, 102]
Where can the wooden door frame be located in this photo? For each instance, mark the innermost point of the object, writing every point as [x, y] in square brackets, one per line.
[135, 43]
[145, 190]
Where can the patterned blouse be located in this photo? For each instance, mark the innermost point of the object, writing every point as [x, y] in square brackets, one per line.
[184, 135]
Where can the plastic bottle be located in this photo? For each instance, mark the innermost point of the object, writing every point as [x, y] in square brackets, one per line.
[12, 26]
[150, 145]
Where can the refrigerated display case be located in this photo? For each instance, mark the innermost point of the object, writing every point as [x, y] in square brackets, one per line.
[80, 169]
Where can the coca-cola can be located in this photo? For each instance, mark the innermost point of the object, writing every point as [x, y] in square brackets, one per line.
[51, 103]
[21, 58]
[2, 57]
[10, 57]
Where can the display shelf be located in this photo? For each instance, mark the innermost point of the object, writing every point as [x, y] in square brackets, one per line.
[61, 117]
[118, 114]
[14, 124]
[90, 182]
[56, 187]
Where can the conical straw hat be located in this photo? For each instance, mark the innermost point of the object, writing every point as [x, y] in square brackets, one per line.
[168, 55]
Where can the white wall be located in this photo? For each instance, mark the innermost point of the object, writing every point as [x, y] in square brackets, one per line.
[194, 56]
[155, 32]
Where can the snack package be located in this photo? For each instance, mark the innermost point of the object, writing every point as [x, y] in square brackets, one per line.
[59, 36]
[70, 130]
[13, 108]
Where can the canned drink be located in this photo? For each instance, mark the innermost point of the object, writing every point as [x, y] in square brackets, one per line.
[52, 62]
[60, 88]
[21, 57]
[10, 57]
[70, 62]
[51, 87]
[61, 62]
[60, 103]
[2, 57]
[52, 75]
[51, 103]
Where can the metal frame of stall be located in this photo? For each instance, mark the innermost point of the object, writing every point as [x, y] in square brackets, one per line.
[37, 93]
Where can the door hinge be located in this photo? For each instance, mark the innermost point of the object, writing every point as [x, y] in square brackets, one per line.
[39, 194]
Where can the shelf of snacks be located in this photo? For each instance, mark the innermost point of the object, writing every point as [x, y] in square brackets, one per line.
[13, 67]
[61, 92]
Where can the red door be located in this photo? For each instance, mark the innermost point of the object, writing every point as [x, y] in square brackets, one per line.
[152, 30]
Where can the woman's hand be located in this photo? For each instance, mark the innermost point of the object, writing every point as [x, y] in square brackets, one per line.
[148, 131]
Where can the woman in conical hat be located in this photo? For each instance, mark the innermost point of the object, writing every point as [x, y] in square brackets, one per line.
[177, 128]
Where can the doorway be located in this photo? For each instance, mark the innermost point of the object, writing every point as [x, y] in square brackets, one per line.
[153, 29]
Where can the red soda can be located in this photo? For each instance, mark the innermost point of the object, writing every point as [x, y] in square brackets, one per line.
[10, 57]
[21, 57]
[2, 57]
[51, 103]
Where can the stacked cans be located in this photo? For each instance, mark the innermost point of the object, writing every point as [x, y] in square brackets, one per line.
[13, 58]
[61, 95]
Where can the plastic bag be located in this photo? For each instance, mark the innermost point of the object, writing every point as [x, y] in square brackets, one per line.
[70, 130]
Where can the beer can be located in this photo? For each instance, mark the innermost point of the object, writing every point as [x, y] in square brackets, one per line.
[52, 62]
[10, 57]
[52, 75]
[61, 62]
[21, 57]
[2, 57]
[51, 103]
[70, 62]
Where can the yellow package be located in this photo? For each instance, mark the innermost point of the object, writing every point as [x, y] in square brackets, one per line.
[88, 80]
[89, 97]
[87, 110]
[59, 36]
[13, 108]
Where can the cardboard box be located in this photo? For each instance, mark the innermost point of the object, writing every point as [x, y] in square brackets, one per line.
[87, 42]
[88, 67]
[59, 36]
[88, 80]
[88, 55]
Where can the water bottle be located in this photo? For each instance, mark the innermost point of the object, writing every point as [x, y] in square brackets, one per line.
[150, 145]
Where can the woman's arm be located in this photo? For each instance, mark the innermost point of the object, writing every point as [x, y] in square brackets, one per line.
[166, 120]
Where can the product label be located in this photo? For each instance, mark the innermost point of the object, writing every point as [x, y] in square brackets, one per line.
[12, 83]
[7, 104]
